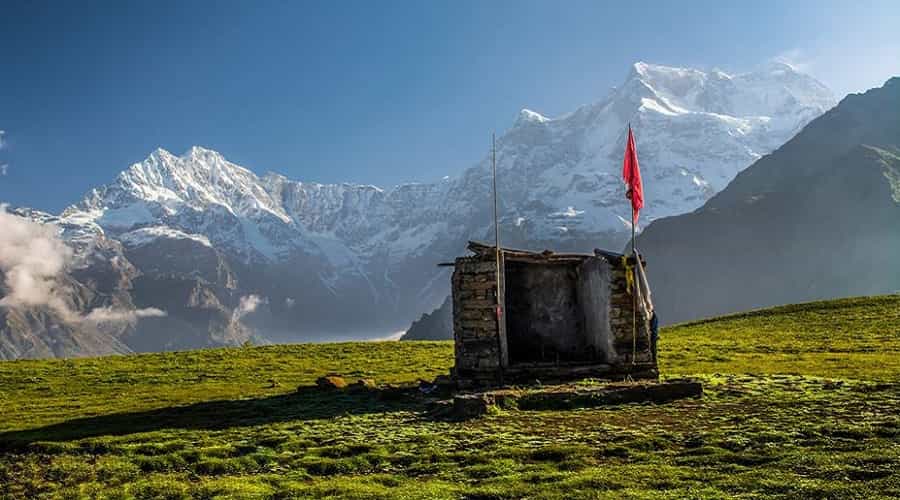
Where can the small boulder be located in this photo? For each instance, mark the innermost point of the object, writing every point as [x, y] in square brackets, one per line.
[395, 393]
[466, 406]
[331, 382]
[364, 384]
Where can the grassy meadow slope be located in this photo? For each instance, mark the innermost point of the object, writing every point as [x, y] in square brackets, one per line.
[801, 401]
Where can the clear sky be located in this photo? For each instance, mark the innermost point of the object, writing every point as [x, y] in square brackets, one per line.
[376, 92]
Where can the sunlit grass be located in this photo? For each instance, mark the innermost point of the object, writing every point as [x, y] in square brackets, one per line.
[801, 402]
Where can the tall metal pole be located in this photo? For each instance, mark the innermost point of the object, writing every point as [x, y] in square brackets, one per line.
[496, 217]
[633, 274]
[498, 261]
[634, 285]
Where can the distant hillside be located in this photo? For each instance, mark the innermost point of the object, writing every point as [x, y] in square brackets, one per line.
[818, 218]
[436, 325]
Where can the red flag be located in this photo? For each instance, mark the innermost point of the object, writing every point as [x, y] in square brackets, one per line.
[631, 174]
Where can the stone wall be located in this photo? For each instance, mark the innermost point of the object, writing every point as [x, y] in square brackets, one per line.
[595, 275]
[475, 326]
[474, 284]
[620, 322]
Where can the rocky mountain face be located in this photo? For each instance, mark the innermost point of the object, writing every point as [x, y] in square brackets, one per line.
[41, 332]
[112, 299]
[818, 218]
[203, 233]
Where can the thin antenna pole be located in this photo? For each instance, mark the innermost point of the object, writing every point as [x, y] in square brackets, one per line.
[498, 259]
[497, 270]
[496, 217]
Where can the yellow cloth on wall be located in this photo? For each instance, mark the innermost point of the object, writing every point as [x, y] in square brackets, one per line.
[629, 274]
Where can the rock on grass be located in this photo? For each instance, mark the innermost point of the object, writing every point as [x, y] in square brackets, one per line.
[331, 382]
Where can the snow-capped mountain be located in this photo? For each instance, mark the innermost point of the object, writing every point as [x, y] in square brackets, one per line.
[315, 252]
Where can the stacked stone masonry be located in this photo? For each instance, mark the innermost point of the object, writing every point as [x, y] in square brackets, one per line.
[475, 324]
[477, 338]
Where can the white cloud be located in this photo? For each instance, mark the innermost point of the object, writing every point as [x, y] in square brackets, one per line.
[246, 305]
[388, 338]
[113, 315]
[33, 259]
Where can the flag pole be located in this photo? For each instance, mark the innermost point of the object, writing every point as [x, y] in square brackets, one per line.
[632, 213]
[633, 295]
[634, 285]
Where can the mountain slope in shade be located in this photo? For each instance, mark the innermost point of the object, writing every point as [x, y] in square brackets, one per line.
[818, 218]
[436, 325]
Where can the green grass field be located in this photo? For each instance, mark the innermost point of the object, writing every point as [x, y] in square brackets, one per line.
[801, 402]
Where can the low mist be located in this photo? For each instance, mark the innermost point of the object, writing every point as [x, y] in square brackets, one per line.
[33, 259]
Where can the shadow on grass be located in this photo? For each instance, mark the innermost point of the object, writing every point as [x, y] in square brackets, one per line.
[307, 403]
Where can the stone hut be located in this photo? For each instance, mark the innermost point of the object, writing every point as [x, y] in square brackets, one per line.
[564, 316]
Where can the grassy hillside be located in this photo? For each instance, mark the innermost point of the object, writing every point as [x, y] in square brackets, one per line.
[849, 338]
[802, 401]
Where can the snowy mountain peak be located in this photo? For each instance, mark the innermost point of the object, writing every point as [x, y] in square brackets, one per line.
[779, 67]
[773, 97]
[560, 186]
[197, 158]
[645, 70]
[695, 128]
[527, 116]
[160, 154]
[200, 152]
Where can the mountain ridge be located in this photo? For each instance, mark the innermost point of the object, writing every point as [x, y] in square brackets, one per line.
[307, 247]
[827, 203]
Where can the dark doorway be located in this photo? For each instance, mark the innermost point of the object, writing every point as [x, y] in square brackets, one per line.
[544, 320]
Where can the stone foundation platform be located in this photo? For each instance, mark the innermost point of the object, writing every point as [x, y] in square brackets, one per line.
[563, 397]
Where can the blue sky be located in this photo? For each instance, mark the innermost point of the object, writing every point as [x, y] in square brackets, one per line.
[376, 92]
